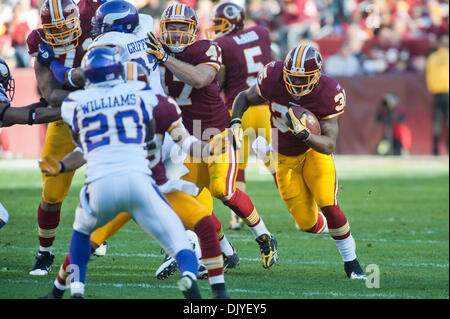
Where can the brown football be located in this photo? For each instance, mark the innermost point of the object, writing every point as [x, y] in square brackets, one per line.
[312, 123]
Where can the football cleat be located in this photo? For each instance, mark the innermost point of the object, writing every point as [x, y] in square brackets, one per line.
[353, 270]
[55, 293]
[101, 250]
[189, 288]
[168, 268]
[269, 250]
[43, 263]
[230, 261]
[202, 272]
[219, 291]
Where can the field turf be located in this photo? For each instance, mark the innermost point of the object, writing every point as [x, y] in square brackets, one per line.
[398, 209]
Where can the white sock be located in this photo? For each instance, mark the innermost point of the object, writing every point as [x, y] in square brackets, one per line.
[59, 286]
[77, 287]
[219, 279]
[225, 246]
[347, 248]
[259, 229]
[50, 248]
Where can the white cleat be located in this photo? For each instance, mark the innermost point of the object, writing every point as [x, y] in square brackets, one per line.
[101, 250]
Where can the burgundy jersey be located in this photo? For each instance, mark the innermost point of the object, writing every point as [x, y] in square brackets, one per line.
[72, 58]
[167, 116]
[326, 100]
[205, 104]
[244, 55]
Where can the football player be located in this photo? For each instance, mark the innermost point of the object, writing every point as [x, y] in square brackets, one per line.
[117, 176]
[245, 52]
[190, 70]
[66, 29]
[31, 114]
[305, 173]
[178, 193]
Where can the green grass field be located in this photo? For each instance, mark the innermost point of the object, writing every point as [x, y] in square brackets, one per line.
[398, 211]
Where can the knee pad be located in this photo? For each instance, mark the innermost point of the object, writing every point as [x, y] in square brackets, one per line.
[304, 214]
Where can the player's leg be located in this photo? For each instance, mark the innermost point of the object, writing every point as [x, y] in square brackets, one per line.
[154, 215]
[199, 175]
[58, 143]
[222, 174]
[320, 176]
[196, 217]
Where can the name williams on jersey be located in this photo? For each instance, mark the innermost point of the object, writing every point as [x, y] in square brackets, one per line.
[108, 102]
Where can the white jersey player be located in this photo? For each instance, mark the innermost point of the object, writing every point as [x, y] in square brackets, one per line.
[118, 24]
[111, 121]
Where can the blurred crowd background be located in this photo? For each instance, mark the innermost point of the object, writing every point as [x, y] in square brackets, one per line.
[355, 37]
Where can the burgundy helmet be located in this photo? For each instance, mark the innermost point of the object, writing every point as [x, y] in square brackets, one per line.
[61, 24]
[178, 40]
[228, 17]
[302, 69]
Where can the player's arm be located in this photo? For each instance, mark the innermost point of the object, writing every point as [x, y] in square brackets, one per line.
[240, 104]
[324, 143]
[222, 76]
[36, 113]
[195, 147]
[49, 87]
[197, 76]
[71, 162]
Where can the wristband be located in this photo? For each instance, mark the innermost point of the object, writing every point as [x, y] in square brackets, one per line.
[235, 120]
[31, 117]
[62, 168]
[69, 78]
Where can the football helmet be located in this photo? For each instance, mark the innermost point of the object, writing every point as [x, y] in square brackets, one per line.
[61, 24]
[228, 17]
[116, 15]
[180, 38]
[302, 69]
[7, 83]
[102, 65]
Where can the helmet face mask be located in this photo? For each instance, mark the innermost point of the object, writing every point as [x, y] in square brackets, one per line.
[61, 24]
[7, 82]
[228, 17]
[302, 70]
[102, 66]
[179, 25]
[117, 15]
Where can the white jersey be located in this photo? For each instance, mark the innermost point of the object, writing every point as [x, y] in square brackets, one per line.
[132, 47]
[112, 126]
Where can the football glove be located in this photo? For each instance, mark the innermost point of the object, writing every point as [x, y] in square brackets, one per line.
[237, 134]
[297, 126]
[45, 54]
[50, 166]
[155, 48]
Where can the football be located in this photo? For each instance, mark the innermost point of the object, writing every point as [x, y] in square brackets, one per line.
[312, 123]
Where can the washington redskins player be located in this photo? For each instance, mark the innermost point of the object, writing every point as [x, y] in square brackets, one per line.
[305, 173]
[245, 52]
[189, 68]
[66, 28]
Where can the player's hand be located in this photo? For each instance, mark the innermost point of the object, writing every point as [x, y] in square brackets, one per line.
[50, 166]
[297, 126]
[45, 54]
[155, 47]
[237, 134]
